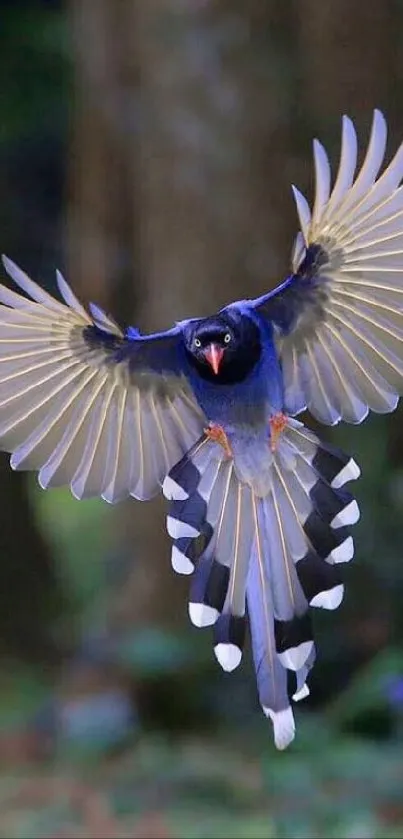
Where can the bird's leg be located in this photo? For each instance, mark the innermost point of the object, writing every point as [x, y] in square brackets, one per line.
[217, 434]
[278, 423]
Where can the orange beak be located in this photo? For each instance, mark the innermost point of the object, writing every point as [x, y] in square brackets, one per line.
[214, 354]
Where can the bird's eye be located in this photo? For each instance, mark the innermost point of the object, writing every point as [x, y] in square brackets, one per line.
[197, 343]
[227, 338]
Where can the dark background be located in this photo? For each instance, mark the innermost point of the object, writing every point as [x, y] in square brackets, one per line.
[147, 149]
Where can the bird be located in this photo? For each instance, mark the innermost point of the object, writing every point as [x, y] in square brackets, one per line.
[209, 412]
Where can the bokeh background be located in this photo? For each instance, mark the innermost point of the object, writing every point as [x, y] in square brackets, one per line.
[147, 149]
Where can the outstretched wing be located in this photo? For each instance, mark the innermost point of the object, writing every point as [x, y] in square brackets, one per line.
[106, 412]
[339, 318]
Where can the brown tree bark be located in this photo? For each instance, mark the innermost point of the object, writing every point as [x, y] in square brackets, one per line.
[346, 58]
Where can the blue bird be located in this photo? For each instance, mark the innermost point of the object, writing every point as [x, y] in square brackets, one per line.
[258, 511]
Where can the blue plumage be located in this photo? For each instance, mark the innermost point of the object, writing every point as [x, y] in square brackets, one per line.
[248, 385]
[258, 513]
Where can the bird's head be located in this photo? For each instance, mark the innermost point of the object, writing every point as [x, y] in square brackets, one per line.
[223, 348]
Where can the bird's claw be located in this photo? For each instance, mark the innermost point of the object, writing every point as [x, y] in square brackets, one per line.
[278, 423]
[217, 434]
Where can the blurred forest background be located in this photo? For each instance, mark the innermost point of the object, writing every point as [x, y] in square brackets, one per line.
[147, 149]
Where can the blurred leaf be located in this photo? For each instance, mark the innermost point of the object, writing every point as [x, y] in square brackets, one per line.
[80, 535]
[34, 59]
[22, 690]
[152, 651]
[370, 687]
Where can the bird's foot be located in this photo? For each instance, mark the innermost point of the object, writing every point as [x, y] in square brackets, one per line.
[217, 434]
[277, 425]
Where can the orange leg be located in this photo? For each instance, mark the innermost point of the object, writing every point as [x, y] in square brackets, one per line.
[217, 434]
[277, 425]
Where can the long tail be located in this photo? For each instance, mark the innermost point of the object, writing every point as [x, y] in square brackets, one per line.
[272, 556]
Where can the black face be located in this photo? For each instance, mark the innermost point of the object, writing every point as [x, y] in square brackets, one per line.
[224, 348]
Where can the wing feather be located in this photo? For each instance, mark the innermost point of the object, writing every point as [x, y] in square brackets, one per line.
[84, 404]
[323, 180]
[347, 166]
[62, 457]
[44, 440]
[88, 477]
[339, 318]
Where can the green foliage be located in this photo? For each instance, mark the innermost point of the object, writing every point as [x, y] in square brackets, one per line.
[327, 786]
[228, 781]
[156, 652]
[34, 61]
[80, 536]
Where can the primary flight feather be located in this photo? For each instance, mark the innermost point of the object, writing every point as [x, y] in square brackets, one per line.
[258, 513]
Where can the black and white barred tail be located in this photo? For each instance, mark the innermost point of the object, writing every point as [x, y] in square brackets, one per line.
[270, 557]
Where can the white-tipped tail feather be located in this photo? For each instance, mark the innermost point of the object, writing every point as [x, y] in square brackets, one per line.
[349, 515]
[301, 694]
[280, 551]
[328, 599]
[343, 552]
[202, 615]
[228, 655]
[350, 472]
[283, 726]
[295, 657]
[180, 562]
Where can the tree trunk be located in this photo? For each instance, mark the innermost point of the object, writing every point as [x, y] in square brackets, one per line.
[345, 57]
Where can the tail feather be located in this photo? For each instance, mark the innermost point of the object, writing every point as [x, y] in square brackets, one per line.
[191, 487]
[332, 469]
[320, 581]
[186, 518]
[331, 545]
[322, 511]
[229, 630]
[294, 640]
[186, 550]
[210, 584]
[336, 506]
[202, 518]
[292, 628]
[336, 467]
[208, 591]
[229, 639]
[279, 552]
[270, 674]
[301, 685]
[183, 479]
[294, 532]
